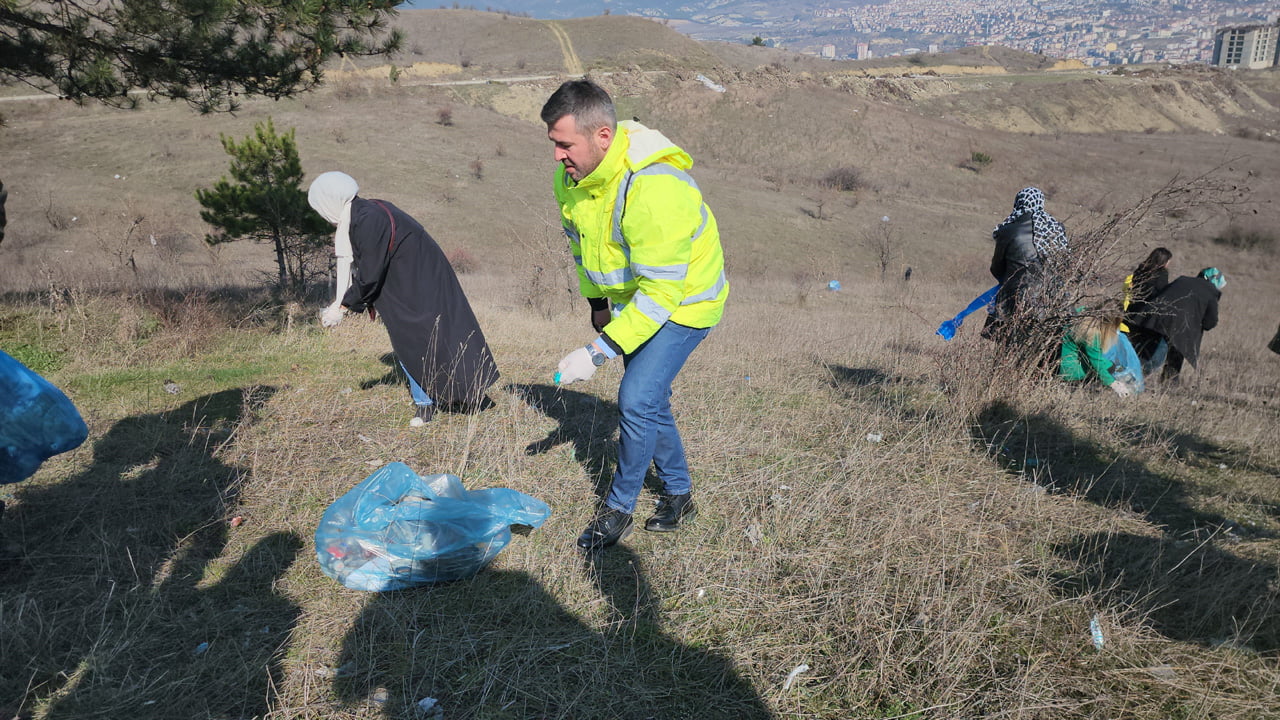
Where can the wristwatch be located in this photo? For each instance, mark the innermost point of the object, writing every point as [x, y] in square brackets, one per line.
[597, 358]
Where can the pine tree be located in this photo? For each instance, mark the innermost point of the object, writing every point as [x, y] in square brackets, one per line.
[206, 52]
[263, 200]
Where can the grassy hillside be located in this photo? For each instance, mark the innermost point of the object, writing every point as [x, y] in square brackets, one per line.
[892, 526]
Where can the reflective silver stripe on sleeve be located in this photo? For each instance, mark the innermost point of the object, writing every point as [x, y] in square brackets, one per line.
[711, 294]
[662, 168]
[571, 233]
[618, 307]
[617, 277]
[619, 205]
[577, 259]
[663, 272]
[650, 309]
[705, 216]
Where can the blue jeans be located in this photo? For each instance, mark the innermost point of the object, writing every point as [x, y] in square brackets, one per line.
[420, 396]
[1157, 358]
[646, 429]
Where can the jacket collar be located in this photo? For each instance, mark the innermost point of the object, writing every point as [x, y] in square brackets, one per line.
[634, 147]
[614, 162]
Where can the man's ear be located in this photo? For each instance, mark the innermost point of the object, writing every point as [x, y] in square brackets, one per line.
[604, 136]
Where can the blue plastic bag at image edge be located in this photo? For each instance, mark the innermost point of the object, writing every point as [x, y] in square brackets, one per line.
[37, 421]
[397, 530]
[1125, 365]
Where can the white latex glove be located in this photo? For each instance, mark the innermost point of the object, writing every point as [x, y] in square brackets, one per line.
[331, 316]
[576, 366]
[1121, 389]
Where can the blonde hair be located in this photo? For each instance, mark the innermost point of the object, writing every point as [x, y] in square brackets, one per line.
[1100, 325]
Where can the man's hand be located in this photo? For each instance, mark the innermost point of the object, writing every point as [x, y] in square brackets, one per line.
[331, 316]
[600, 318]
[1121, 389]
[576, 366]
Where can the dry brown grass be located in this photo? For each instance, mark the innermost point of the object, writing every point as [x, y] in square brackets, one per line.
[934, 571]
[948, 570]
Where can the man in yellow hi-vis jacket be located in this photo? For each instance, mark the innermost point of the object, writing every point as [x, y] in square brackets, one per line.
[649, 263]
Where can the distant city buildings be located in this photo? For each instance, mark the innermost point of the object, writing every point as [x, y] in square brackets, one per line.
[1250, 47]
[1094, 32]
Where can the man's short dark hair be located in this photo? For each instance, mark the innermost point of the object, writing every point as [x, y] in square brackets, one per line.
[587, 102]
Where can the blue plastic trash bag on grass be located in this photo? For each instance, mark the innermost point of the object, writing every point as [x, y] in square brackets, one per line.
[36, 421]
[1125, 365]
[398, 530]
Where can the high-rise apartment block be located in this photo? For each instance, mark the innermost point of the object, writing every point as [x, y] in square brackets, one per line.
[1248, 46]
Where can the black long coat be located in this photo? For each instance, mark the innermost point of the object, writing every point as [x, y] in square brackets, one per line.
[409, 281]
[1182, 313]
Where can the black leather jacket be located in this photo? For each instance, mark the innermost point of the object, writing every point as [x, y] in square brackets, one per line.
[1015, 263]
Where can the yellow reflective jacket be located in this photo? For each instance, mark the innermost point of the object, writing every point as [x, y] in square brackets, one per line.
[1128, 297]
[656, 254]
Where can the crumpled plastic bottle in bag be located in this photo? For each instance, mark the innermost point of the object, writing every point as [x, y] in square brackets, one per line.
[37, 421]
[396, 529]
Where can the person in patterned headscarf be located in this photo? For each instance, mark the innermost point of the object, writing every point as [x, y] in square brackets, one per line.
[1029, 243]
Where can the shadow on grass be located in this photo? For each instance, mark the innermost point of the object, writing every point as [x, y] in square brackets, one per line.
[584, 420]
[499, 645]
[394, 377]
[1184, 582]
[1067, 463]
[110, 612]
[906, 397]
[1189, 591]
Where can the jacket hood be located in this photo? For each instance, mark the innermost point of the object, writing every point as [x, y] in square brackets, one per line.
[647, 146]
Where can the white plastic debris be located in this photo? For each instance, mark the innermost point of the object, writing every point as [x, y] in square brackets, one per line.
[1095, 629]
[874, 437]
[791, 676]
[710, 83]
[702, 592]
[1222, 466]
[884, 219]
[430, 708]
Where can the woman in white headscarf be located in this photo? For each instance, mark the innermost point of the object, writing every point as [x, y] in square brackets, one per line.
[386, 258]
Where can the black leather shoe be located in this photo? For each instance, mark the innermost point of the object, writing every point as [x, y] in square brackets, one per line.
[606, 528]
[671, 510]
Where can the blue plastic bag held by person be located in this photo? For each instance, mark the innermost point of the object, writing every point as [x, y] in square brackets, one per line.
[949, 327]
[397, 530]
[36, 421]
[1125, 365]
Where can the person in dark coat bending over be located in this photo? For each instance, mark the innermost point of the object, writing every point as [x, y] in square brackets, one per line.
[1181, 314]
[385, 257]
